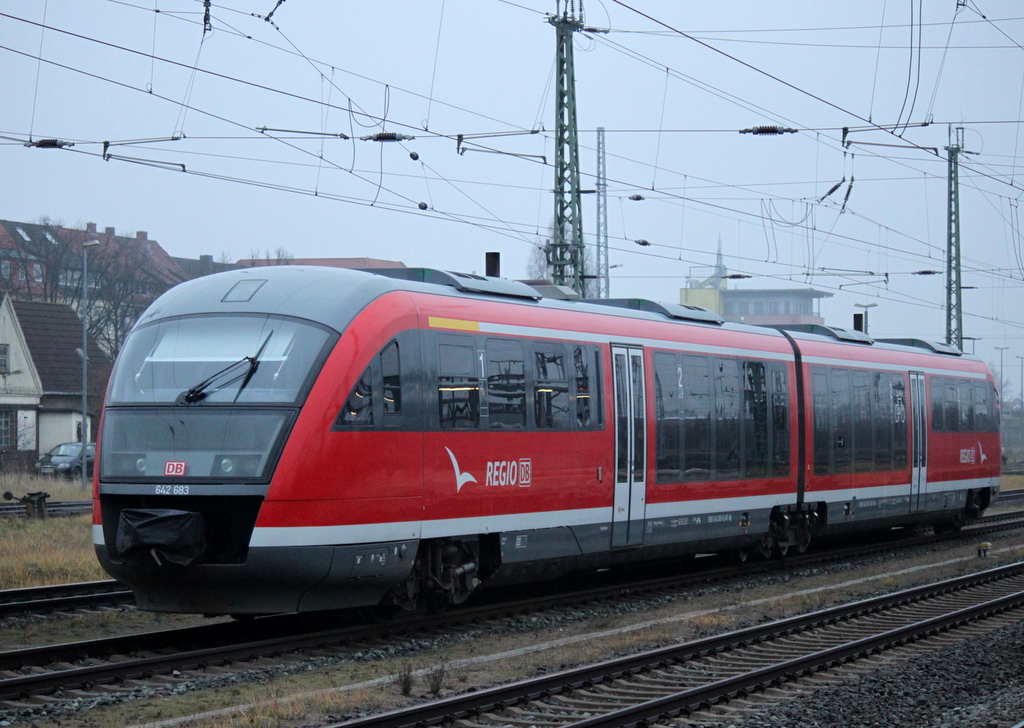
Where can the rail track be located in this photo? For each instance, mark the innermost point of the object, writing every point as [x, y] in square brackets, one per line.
[63, 597]
[110, 593]
[682, 680]
[64, 669]
[56, 509]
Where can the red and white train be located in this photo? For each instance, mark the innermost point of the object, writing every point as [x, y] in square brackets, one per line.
[301, 438]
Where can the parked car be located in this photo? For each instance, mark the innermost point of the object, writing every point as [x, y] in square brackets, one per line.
[66, 459]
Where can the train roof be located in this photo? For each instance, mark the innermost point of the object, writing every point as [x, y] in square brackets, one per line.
[334, 296]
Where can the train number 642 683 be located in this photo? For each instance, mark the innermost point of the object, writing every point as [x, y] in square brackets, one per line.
[172, 490]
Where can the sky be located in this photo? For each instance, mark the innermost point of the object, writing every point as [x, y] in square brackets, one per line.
[236, 129]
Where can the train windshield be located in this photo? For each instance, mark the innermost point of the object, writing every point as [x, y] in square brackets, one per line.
[198, 443]
[224, 359]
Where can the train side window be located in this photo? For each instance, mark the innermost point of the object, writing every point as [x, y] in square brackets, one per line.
[842, 422]
[587, 377]
[981, 407]
[551, 388]
[458, 387]
[358, 408]
[390, 365]
[621, 419]
[966, 405]
[863, 432]
[885, 419]
[951, 404]
[668, 377]
[636, 374]
[727, 418]
[937, 392]
[899, 438]
[697, 431]
[995, 413]
[755, 420]
[822, 432]
[506, 384]
[780, 420]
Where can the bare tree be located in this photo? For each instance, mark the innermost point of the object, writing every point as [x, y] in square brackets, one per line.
[124, 281]
[280, 256]
[43, 262]
[537, 265]
[46, 264]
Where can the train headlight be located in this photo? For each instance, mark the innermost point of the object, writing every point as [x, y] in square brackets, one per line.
[236, 465]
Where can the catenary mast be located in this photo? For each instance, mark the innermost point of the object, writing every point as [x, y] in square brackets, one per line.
[566, 251]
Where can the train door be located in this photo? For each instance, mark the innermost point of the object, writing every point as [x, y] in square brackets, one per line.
[630, 446]
[918, 441]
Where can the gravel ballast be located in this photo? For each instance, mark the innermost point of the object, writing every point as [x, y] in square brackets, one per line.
[977, 683]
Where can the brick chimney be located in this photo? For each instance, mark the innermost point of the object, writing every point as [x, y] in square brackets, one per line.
[141, 236]
[90, 227]
[109, 231]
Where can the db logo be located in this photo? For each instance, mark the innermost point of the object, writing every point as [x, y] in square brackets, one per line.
[525, 472]
[174, 467]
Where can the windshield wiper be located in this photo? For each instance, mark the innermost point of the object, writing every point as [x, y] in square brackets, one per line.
[254, 364]
[202, 390]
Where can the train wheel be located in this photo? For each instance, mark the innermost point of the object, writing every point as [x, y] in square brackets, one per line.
[767, 546]
[805, 542]
[742, 555]
[782, 549]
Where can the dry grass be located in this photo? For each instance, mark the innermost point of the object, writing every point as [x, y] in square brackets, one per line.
[55, 551]
[1012, 482]
[58, 488]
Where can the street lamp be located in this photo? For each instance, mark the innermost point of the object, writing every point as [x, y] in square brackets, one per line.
[1001, 350]
[85, 358]
[1021, 396]
[865, 306]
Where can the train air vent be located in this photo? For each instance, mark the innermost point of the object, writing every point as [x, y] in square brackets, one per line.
[467, 282]
[243, 291]
[935, 346]
[680, 311]
[832, 332]
[550, 290]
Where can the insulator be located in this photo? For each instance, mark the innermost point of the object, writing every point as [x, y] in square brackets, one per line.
[768, 130]
[388, 136]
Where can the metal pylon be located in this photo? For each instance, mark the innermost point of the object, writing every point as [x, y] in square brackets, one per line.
[566, 252]
[603, 288]
[954, 309]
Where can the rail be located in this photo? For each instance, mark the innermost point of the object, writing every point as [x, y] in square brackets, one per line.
[590, 696]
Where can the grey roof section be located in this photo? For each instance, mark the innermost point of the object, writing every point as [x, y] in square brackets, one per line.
[935, 346]
[462, 281]
[682, 311]
[832, 332]
[334, 296]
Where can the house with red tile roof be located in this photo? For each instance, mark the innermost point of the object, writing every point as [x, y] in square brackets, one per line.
[41, 379]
